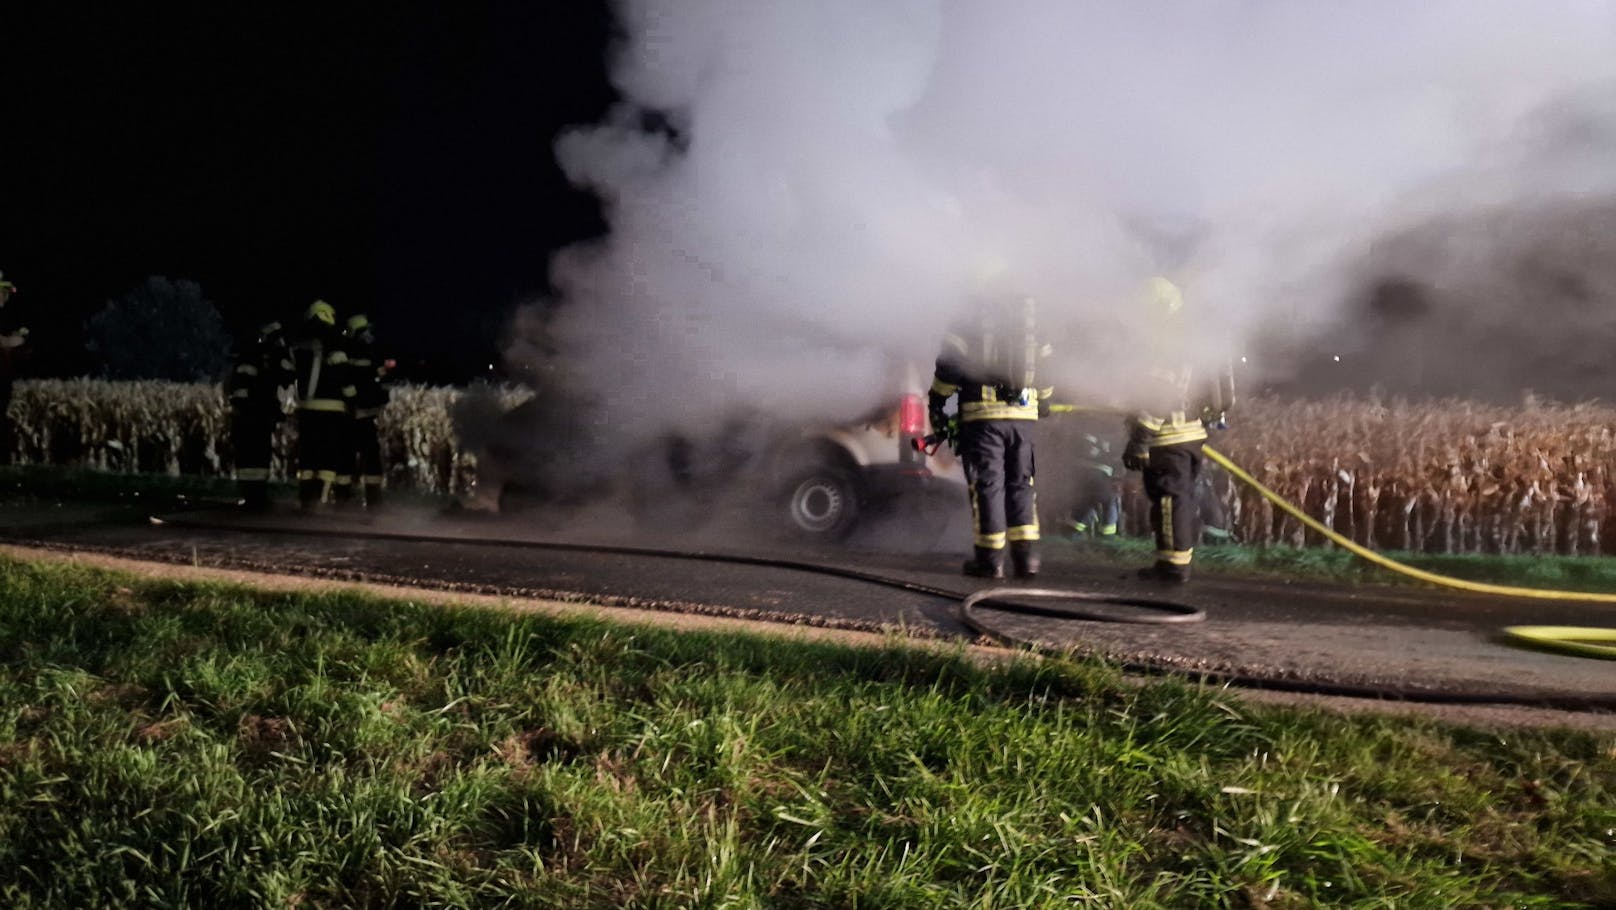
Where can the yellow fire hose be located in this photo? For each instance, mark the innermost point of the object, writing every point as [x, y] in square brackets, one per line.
[1582, 640]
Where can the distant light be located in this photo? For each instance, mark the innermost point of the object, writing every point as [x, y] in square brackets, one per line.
[1336, 358]
[491, 367]
[1242, 360]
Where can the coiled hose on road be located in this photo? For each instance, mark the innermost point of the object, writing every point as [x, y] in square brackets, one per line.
[1581, 640]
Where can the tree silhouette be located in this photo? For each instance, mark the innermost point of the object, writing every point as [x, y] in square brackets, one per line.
[160, 330]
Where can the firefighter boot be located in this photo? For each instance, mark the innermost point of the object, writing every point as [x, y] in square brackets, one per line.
[1024, 559]
[342, 495]
[310, 495]
[989, 563]
[254, 495]
[1165, 572]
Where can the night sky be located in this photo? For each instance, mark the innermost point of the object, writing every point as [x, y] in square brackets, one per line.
[394, 159]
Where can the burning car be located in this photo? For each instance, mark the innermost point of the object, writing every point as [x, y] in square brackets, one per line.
[816, 482]
[813, 482]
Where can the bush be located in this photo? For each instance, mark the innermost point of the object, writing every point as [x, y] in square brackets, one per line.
[160, 330]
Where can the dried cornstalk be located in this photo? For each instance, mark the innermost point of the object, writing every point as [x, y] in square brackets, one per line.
[183, 428]
[1439, 476]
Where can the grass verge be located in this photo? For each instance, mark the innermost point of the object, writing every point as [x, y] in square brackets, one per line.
[177, 744]
[35, 483]
[1330, 563]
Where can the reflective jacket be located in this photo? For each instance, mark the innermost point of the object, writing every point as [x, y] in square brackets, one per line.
[1179, 404]
[369, 376]
[964, 367]
[323, 375]
[259, 370]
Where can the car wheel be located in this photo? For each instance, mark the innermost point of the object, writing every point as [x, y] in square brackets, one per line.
[821, 502]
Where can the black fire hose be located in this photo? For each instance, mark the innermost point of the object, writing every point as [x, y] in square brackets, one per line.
[1006, 598]
[1009, 599]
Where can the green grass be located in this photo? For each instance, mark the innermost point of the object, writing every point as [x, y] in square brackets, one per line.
[34, 483]
[1573, 573]
[55, 482]
[171, 745]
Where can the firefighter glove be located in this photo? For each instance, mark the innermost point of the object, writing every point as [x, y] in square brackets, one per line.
[935, 413]
[1135, 456]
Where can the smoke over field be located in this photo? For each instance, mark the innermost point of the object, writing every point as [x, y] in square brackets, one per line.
[800, 192]
[1485, 306]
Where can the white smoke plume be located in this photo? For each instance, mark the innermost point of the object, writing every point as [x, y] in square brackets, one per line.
[827, 178]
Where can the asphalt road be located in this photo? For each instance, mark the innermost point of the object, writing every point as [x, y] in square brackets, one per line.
[1388, 642]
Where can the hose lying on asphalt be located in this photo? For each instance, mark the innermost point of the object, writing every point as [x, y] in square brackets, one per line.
[1148, 610]
[1575, 639]
[1010, 598]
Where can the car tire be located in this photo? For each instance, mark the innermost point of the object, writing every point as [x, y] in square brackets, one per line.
[820, 502]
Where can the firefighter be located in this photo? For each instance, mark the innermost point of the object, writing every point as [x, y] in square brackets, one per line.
[1164, 442]
[1099, 499]
[371, 382]
[13, 349]
[987, 366]
[260, 369]
[325, 392]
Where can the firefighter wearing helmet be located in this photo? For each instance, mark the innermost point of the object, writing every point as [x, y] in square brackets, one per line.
[260, 368]
[1165, 439]
[325, 394]
[370, 379]
[987, 367]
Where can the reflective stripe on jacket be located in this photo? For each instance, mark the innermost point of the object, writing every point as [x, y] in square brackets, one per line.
[1175, 428]
[983, 402]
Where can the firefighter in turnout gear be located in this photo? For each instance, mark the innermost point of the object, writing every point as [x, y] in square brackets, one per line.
[259, 370]
[988, 366]
[1098, 504]
[1164, 442]
[371, 382]
[325, 394]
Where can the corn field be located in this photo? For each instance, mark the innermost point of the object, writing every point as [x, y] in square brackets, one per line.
[1432, 477]
[183, 428]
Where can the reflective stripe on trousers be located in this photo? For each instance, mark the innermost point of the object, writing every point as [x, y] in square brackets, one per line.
[997, 456]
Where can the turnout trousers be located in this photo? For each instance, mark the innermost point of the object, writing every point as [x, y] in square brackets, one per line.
[1099, 503]
[997, 456]
[368, 443]
[324, 454]
[252, 435]
[1175, 517]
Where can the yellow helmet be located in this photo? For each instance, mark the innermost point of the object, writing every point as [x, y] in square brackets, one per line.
[6, 285]
[1162, 297]
[322, 311]
[358, 322]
